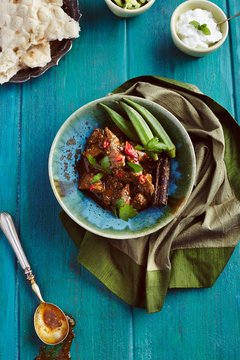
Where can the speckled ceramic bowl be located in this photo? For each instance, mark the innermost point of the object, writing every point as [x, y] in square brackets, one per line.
[66, 150]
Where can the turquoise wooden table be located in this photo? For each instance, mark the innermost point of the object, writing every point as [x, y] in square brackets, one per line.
[194, 324]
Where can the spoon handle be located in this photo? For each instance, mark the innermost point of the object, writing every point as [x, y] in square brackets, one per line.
[229, 18]
[8, 228]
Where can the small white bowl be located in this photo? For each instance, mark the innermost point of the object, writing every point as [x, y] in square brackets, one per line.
[218, 14]
[125, 13]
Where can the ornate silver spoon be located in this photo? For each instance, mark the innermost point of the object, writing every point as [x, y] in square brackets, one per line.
[50, 322]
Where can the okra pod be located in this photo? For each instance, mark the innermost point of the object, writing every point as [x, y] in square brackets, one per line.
[125, 126]
[155, 126]
[141, 127]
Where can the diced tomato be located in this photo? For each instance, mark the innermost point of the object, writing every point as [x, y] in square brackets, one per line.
[130, 151]
[106, 143]
[120, 174]
[142, 179]
[92, 187]
[119, 158]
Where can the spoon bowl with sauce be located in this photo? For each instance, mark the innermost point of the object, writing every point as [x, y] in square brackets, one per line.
[50, 322]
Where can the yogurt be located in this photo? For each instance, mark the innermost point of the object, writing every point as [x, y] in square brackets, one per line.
[193, 37]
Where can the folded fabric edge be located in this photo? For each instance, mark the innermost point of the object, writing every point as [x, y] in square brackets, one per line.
[197, 267]
[191, 268]
[157, 80]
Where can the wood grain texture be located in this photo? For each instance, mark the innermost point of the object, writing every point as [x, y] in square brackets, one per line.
[10, 124]
[194, 324]
[233, 8]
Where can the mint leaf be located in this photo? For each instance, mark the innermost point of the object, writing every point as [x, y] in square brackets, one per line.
[96, 178]
[91, 160]
[136, 168]
[204, 29]
[195, 24]
[127, 212]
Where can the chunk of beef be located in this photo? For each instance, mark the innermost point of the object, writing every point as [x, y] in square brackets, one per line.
[94, 143]
[113, 150]
[115, 190]
[112, 185]
[142, 156]
[126, 176]
[140, 202]
[85, 180]
[85, 183]
[113, 140]
[123, 194]
[145, 185]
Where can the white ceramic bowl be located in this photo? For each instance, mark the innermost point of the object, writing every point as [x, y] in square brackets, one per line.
[125, 13]
[218, 14]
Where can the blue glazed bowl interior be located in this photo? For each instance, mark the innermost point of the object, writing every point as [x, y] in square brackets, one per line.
[67, 147]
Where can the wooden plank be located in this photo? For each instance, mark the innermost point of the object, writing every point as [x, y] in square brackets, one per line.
[103, 329]
[10, 128]
[193, 323]
[233, 8]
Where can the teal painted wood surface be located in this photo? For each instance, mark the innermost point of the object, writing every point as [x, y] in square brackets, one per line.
[194, 324]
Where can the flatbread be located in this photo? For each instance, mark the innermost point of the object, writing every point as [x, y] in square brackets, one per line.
[26, 28]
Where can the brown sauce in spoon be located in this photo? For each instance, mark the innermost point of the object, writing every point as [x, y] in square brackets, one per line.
[60, 351]
[51, 319]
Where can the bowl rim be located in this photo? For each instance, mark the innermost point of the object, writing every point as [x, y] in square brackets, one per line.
[175, 16]
[139, 233]
[129, 11]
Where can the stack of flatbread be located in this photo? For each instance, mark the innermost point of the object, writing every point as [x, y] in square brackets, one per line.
[26, 29]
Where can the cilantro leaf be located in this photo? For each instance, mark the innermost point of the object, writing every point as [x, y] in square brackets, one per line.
[139, 147]
[124, 211]
[96, 178]
[92, 161]
[155, 145]
[152, 143]
[119, 203]
[135, 167]
[127, 212]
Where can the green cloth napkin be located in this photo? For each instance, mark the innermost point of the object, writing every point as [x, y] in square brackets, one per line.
[193, 249]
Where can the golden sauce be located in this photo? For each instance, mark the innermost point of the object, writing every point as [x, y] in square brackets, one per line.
[50, 323]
